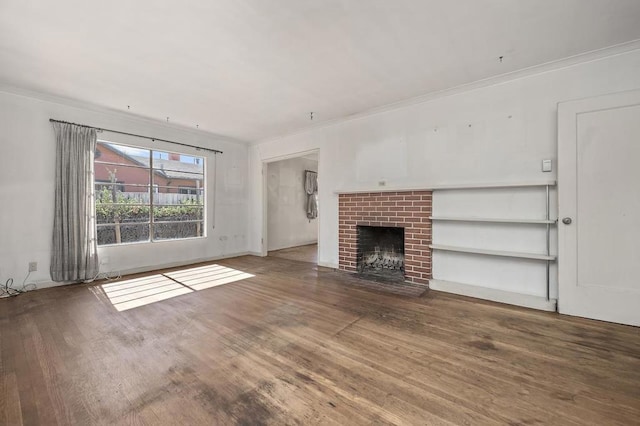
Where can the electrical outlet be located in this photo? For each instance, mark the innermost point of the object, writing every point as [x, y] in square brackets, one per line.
[33, 266]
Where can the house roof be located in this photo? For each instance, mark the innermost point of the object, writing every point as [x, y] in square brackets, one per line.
[170, 169]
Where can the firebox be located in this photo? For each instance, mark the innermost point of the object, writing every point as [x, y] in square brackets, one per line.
[381, 251]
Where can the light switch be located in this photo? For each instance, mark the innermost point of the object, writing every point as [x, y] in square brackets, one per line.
[546, 165]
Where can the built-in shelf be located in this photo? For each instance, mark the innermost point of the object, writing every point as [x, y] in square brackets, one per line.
[481, 291]
[492, 220]
[534, 256]
[436, 187]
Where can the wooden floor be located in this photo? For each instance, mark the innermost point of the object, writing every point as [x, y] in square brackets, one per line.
[306, 253]
[298, 344]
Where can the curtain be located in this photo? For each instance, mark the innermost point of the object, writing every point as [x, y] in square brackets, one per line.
[311, 188]
[74, 254]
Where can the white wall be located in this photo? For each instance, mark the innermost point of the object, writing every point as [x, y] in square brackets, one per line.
[498, 133]
[287, 223]
[27, 190]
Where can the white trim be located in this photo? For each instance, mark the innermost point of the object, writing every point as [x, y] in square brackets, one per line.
[328, 265]
[447, 187]
[523, 73]
[570, 61]
[265, 205]
[300, 154]
[265, 209]
[495, 295]
[125, 115]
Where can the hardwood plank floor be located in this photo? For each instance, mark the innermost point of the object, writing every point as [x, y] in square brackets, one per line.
[292, 343]
[306, 253]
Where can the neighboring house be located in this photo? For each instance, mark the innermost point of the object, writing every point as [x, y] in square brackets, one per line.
[170, 175]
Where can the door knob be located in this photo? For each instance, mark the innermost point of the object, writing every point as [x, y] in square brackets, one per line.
[566, 221]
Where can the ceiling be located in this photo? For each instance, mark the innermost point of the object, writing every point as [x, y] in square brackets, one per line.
[255, 69]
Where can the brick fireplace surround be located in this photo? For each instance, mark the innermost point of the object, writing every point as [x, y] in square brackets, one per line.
[406, 209]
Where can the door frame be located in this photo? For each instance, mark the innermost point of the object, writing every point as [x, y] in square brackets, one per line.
[265, 195]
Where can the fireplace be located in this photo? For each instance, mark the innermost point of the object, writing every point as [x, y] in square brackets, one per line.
[381, 251]
[409, 211]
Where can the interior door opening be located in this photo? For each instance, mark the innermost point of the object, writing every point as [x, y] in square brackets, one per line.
[291, 208]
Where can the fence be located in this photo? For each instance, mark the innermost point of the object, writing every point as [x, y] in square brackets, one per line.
[161, 199]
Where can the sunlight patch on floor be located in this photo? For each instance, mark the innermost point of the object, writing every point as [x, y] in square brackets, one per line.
[136, 292]
[208, 276]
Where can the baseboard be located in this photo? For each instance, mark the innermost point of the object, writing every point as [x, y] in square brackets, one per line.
[176, 264]
[502, 296]
[323, 264]
[45, 284]
[50, 284]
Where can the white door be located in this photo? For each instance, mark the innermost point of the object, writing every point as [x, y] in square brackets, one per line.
[599, 208]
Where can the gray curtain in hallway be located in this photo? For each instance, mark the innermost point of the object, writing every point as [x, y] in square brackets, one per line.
[311, 188]
[74, 250]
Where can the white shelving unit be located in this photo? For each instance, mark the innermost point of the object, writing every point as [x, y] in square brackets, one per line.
[502, 253]
[491, 220]
[438, 187]
[500, 295]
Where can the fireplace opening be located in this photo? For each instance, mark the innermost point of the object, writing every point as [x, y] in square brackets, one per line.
[380, 252]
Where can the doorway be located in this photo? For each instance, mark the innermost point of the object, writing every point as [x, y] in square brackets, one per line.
[291, 210]
[599, 207]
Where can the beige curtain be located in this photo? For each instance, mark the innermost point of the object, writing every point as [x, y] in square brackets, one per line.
[74, 254]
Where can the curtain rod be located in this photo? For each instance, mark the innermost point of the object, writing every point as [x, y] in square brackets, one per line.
[138, 136]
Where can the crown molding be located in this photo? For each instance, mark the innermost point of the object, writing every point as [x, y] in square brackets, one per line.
[568, 62]
[579, 59]
[129, 116]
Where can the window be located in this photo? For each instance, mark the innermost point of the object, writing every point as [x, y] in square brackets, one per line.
[147, 195]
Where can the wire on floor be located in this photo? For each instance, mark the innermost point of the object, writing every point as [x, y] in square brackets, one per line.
[8, 290]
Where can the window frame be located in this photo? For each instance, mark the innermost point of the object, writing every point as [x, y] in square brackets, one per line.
[152, 191]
